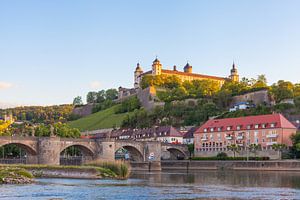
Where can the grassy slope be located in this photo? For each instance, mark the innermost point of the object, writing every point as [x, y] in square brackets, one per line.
[100, 120]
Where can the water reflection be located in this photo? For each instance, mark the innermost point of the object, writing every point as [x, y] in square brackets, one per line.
[166, 185]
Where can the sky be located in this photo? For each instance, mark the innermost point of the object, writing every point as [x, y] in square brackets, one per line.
[52, 51]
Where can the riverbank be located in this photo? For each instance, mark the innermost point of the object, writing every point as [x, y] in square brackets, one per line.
[285, 165]
[74, 172]
[15, 175]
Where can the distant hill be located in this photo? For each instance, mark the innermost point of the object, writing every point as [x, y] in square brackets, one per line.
[100, 120]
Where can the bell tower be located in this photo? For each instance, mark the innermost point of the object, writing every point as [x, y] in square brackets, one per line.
[156, 67]
[234, 76]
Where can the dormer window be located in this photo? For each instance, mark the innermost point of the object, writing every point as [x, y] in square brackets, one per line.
[211, 129]
[272, 125]
[238, 128]
[263, 125]
[228, 128]
[205, 130]
[219, 129]
[248, 126]
[256, 126]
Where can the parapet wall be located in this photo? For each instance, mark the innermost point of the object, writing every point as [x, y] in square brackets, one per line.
[272, 154]
[287, 165]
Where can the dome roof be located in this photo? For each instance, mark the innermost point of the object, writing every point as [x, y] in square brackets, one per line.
[187, 66]
[156, 60]
[138, 68]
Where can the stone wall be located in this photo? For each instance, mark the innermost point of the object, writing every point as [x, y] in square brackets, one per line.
[286, 165]
[84, 110]
[258, 97]
[242, 153]
[148, 98]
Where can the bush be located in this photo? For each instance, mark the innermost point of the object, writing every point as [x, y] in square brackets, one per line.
[121, 169]
[222, 156]
[128, 105]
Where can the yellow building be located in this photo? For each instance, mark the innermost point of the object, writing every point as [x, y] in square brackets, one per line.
[185, 75]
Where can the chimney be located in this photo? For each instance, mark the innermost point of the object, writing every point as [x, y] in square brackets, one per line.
[174, 68]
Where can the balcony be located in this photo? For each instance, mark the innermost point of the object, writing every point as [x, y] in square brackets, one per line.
[228, 137]
[204, 139]
[239, 137]
[272, 135]
[271, 143]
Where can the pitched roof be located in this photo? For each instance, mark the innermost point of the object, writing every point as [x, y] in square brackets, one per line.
[278, 120]
[191, 74]
[190, 133]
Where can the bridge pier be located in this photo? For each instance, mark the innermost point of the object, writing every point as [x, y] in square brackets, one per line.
[49, 151]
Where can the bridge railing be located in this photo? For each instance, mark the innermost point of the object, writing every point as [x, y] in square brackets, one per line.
[13, 161]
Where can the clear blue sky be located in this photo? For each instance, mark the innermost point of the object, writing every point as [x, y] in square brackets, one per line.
[52, 51]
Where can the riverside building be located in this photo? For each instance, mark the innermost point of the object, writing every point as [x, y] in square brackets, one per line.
[216, 135]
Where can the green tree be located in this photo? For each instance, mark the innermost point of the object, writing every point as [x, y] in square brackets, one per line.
[296, 144]
[234, 148]
[254, 148]
[77, 101]
[91, 97]
[191, 148]
[42, 131]
[279, 148]
[101, 96]
[282, 90]
[111, 94]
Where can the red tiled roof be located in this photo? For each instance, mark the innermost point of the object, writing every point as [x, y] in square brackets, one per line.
[166, 71]
[278, 120]
[191, 74]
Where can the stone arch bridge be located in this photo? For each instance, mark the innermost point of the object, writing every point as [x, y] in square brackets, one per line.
[47, 150]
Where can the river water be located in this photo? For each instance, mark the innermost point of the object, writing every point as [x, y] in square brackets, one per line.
[213, 185]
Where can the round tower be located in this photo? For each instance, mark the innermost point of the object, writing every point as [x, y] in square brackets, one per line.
[156, 67]
[234, 76]
[137, 76]
[188, 68]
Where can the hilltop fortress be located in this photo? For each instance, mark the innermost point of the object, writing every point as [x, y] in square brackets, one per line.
[157, 70]
[185, 75]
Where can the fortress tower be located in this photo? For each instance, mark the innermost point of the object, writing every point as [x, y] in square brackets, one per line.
[188, 68]
[156, 67]
[137, 75]
[234, 76]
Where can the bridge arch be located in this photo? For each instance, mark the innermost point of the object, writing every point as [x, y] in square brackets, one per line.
[75, 154]
[26, 155]
[176, 153]
[134, 154]
[29, 149]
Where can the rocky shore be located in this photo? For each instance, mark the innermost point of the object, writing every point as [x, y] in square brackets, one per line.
[10, 175]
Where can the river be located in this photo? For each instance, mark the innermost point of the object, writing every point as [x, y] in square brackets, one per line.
[212, 185]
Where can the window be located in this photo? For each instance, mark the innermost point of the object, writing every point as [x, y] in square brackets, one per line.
[263, 125]
[211, 129]
[228, 128]
[248, 126]
[256, 126]
[238, 128]
[272, 125]
[205, 130]
[219, 129]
